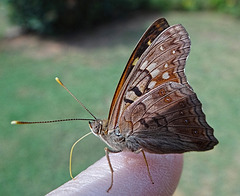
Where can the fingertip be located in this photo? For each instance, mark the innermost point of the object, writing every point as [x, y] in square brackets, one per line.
[130, 176]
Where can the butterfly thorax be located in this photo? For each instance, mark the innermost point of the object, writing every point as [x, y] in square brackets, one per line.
[113, 138]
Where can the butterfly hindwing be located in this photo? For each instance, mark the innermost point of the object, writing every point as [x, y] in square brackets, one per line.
[168, 119]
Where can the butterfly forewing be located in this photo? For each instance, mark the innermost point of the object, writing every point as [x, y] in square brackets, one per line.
[163, 61]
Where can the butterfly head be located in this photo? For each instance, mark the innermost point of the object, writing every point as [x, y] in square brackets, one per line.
[98, 127]
[113, 138]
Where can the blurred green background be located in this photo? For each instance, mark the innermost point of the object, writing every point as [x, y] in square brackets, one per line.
[34, 158]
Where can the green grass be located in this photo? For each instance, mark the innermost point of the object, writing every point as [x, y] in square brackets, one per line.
[34, 158]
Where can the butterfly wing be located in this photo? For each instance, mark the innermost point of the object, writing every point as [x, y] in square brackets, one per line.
[146, 108]
[149, 36]
[167, 119]
[163, 61]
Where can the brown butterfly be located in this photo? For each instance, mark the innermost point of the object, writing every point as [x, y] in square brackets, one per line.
[154, 109]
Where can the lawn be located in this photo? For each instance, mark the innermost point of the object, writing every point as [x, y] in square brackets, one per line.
[34, 158]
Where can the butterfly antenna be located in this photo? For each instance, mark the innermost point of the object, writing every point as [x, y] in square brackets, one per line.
[70, 158]
[59, 82]
[14, 122]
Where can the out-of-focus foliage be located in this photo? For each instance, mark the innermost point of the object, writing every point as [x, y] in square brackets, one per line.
[57, 16]
[227, 6]
[60, 16]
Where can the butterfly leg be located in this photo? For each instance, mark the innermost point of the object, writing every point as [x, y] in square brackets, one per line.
[107, 150]
[145, 159]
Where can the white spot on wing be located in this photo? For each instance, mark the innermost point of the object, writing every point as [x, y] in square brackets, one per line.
[165, 75]
[144, 65]
[166, 65]
[161, 48]
[151, 67]
[151, 84]
[130, 95]
[154, 73]
[173, 51]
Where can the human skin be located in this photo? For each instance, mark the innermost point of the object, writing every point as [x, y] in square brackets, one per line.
[130, 176]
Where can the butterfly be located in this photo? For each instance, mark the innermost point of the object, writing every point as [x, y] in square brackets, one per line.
[154, 109]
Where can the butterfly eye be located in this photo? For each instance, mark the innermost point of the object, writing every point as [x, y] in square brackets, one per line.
[117, 132]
